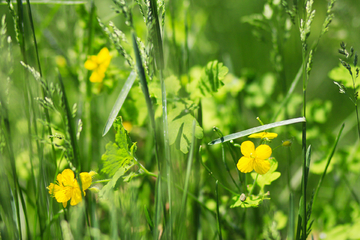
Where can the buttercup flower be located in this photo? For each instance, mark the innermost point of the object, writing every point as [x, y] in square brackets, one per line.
[254, 159]
[67, 187]
[263, 135]
[98, 64]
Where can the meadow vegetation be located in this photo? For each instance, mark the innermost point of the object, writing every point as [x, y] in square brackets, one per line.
[189, 119]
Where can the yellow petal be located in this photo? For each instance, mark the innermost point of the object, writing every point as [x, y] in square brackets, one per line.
[76, 197]
[64, 204]
[261, 166]
[68, 177]
[91, 63]
[97, 76]
[63, 195]
[86, 180]
[104, 55]
[263, 151]
[51, 188]
[247, 148]
[270, 135]
[257, 135]
[245, 164]
[59, 179]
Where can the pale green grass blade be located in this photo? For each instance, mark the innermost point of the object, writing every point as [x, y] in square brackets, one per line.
[188, 171]
[119, 101]
[257, 129]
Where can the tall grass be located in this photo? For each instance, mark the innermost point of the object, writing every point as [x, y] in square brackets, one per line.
[163, 130]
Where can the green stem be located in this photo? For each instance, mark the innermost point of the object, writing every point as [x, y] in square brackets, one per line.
[252, 189]
[304, 144]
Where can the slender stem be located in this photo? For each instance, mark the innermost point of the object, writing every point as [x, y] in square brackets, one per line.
[252, 189]
[304, 178]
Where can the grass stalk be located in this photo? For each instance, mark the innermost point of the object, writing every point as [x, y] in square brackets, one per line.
[217, 210]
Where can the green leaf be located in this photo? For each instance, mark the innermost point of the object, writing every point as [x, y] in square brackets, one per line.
[119, 101]
[269, 177]
[111, 184]
[180, 128]
[210, 79]
[130, 176]
[118, 155]
[253, 201]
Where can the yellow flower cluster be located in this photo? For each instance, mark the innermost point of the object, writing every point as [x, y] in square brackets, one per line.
[67, 187]
[98, 64]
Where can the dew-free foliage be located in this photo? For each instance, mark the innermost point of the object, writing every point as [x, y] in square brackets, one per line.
[119, 155]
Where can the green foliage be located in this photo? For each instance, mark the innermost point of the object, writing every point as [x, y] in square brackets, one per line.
[119, 155]
[180, 128]
[269, 177]
[208, 81]
[341, 75]
[56, 121]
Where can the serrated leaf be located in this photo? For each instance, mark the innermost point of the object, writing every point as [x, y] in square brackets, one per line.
[247, 203]
[118, 155]
[210, 80]
[180, 128]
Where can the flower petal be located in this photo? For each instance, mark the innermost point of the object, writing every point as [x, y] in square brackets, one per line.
[63, 195]
[97, 76]
[245, 164]
[270, 135]
[51, 188]
[86, 180]
[103, 56]
[64, 204]
[91, 63]
[257, 135]
[247, 148]
[68, 178]
[76, 197]
[263, 152]
[261, 166]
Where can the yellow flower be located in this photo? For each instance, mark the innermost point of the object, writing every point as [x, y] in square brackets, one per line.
[263, 135]
[98, 64]
[68, 188]
[254, 159]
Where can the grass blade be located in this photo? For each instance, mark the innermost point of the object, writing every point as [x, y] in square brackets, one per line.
[257, 129]
[328, 161]
[72, 131]
[289, 93]
[188, 171]
[119, 101]
[217, 209]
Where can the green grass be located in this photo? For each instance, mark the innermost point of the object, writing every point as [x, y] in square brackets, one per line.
[187, 84]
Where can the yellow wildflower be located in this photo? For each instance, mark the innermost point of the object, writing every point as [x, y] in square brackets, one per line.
[254, 159]
[263, 135]
[98, 64]
[68, 188]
